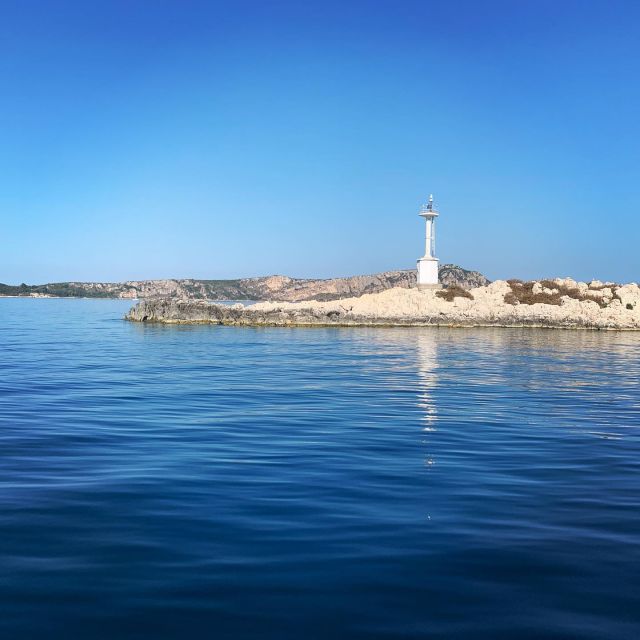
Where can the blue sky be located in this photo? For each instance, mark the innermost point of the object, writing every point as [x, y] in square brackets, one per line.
[228, 139]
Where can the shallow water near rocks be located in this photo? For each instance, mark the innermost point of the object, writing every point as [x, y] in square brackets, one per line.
[176, 481]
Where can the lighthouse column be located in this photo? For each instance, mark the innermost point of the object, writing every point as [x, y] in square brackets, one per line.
[428, 253]
[428, 264]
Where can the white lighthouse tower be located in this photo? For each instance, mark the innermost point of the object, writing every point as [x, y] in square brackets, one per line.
[428, 264]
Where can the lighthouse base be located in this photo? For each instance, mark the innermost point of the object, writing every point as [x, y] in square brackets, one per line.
[428, 274]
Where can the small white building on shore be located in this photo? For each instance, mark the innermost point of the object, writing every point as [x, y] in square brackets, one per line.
[428, 264]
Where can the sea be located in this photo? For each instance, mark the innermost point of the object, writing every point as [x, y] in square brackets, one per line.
[302, 483]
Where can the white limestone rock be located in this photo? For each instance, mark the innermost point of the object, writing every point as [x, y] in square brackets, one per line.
[569, 283]
[402, 306]
[629, 294]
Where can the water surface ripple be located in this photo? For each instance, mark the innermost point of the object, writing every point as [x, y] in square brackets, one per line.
[171, 482]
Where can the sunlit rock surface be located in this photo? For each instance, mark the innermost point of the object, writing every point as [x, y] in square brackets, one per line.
[558, 303]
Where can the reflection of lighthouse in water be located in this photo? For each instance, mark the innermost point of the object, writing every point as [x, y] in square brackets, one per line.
[427, 357]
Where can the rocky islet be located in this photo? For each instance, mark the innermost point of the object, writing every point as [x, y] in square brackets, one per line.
[559, 303]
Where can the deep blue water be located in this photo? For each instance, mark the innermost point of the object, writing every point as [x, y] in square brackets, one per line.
[176, 482]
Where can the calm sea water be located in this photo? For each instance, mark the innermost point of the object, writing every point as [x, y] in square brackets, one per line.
[176, 482]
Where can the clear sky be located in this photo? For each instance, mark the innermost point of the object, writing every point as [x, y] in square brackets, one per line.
[152, 139]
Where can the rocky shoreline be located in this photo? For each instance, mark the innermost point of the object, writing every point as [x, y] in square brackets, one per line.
[560, 303]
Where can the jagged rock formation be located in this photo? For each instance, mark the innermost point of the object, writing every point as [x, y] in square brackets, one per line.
[452, 275]
[570, 305]
[293, 290]
[265, 288]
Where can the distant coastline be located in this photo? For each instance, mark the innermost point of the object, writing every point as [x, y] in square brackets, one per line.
[275, 287]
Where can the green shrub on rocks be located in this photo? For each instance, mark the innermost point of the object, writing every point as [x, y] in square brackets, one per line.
[552, 292]
[452, 292]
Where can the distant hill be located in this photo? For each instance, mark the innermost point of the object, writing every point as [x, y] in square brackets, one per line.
[452, 275]
[281, 288]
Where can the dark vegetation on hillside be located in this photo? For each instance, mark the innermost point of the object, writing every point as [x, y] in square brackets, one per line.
[60, 289]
